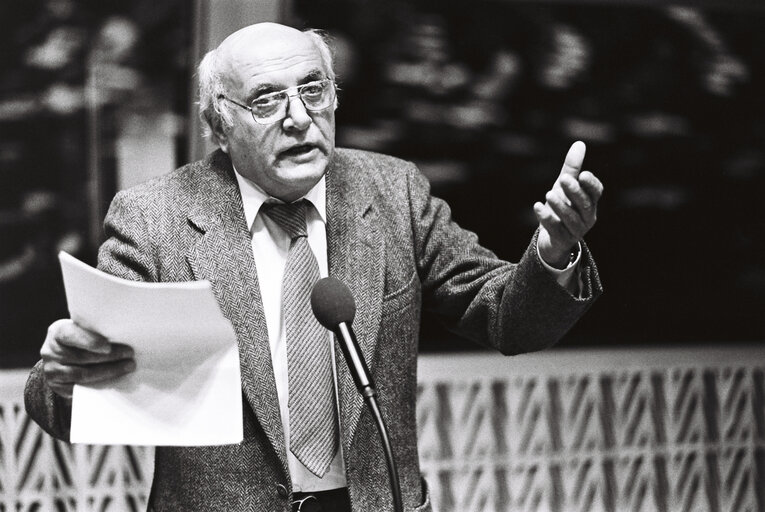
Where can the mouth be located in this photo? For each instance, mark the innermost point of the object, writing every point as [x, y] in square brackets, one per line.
[298, 150]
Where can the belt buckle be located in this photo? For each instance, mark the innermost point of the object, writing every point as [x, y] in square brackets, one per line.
[308, 504]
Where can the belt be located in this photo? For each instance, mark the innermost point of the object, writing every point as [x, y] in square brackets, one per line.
[335, 500]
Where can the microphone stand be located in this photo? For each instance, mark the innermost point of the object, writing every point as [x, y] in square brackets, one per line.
[366, 387]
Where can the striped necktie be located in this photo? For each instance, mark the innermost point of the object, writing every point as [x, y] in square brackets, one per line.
[312, 412]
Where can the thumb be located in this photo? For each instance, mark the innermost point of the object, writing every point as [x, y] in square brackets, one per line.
[69, 333]
[574, 159]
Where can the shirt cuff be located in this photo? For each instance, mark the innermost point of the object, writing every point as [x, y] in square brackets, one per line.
[565, 277]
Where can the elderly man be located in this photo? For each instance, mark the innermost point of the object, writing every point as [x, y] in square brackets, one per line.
[278, 204]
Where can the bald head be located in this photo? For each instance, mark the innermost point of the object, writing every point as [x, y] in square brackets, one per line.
[218, 69]
[256, 44]
[259, 32]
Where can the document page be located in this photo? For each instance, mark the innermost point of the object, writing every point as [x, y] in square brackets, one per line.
[186, 388]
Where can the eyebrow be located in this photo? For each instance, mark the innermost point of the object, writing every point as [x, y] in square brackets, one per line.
[266, 88]
[313, 76]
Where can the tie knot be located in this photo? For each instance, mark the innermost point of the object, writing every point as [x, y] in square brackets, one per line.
[289, 216]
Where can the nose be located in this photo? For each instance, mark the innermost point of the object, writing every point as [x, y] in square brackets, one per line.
[297, 115]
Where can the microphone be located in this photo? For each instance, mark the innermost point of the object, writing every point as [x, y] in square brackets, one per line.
[333, 305]
[335, 309]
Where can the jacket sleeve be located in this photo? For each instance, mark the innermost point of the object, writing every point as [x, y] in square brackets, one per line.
[52, 412]
[125, 253]
[512, 307]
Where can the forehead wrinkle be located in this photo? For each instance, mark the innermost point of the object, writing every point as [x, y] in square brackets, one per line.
[277, 64]
[267, 86]
[270, 66]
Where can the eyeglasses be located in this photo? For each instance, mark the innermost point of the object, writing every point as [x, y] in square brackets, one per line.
[272, 107]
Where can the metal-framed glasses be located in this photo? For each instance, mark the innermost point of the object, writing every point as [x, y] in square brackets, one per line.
[272, 107]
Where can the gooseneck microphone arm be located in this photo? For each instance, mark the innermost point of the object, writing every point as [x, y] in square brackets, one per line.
[335, 309]
[355, 359]
[366, 387]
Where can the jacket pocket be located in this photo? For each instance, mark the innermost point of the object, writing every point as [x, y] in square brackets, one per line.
[401, 297]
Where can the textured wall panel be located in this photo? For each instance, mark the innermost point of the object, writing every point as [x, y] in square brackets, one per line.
[669, 430]
[581, 431]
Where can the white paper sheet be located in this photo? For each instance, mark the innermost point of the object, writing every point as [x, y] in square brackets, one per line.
[186, 388]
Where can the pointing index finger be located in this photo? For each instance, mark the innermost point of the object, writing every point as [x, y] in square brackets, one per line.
[574, 159]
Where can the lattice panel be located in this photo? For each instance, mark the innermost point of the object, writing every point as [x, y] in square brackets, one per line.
[683, 439]
[38, 473]
[550, 432]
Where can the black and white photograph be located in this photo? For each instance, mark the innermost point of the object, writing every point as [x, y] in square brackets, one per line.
[362, 256]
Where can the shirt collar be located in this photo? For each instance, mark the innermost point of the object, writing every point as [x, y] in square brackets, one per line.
[253, 198]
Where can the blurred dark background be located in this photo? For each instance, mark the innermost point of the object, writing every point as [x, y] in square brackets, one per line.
[484, 96]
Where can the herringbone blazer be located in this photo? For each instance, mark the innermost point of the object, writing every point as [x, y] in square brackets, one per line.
[396, 248]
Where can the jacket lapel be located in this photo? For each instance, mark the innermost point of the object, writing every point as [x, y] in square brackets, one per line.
[355, 252]
[223, 255]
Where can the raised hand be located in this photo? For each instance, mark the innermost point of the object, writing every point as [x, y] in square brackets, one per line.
[73, 355]
[570, 210]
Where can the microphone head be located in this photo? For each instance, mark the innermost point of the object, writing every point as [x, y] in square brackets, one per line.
[332, 303]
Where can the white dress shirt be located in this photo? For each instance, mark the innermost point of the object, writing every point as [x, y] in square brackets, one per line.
[270, 246]
[565, 277]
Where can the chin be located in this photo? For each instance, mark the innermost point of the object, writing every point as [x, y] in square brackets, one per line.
[300, 178]
[303, 171]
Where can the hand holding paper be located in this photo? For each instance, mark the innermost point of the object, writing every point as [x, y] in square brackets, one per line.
[185, 389]
[73, 355]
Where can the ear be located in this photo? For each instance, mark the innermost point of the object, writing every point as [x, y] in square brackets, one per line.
[219, 133]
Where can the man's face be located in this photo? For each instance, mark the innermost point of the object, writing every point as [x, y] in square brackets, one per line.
[288, 157]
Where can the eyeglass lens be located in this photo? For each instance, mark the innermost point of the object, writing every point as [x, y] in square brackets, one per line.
[316, 96]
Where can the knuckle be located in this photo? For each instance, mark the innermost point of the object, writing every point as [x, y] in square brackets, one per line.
[74, 373]
[59, 327]
[45, 352]
[52, 366]
[62, 389]
[48, 371]
[55, 326]
[55, 374]
[60, 333]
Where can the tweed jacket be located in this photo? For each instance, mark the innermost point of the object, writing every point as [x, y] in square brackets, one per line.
[396, 248]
